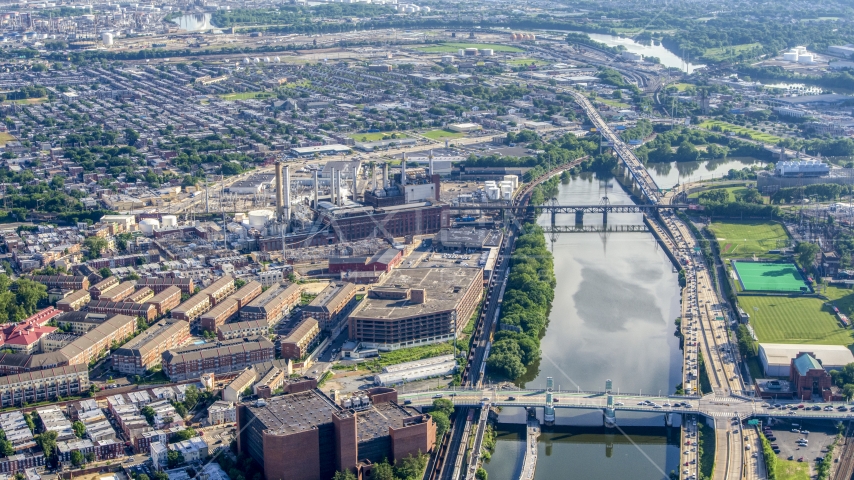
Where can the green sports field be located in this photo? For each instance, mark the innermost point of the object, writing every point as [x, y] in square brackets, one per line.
[744, 239]
[794, 320]
[769, 277]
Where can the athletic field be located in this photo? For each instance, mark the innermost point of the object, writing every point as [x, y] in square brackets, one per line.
[769, 277]
[794, 320]
[744, 239]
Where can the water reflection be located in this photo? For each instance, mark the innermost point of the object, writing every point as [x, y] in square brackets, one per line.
[666, 176]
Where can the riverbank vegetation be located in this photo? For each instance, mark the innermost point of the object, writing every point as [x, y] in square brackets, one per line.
[527, 301]
[706, 450]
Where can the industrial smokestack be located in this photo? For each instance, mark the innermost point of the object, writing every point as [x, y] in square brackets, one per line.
[385, 175]
[403, 171]
[279, 212]
[340, 192]
[286, 192]
[316, 196]
[431, 162]
[332, 188]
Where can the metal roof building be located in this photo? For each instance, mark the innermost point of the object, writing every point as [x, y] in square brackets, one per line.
[777, 358]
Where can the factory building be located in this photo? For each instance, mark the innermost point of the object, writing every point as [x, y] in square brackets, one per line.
[331, 306]
[805, 168]
[329, 437]
[416, 370]
[417, 306]
[382, 261]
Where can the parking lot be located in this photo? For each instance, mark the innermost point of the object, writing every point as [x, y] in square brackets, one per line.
[820, 436]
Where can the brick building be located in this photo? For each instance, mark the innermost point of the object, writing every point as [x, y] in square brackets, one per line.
[219, 358]
[220, 314]
[273, 304]
[75, 301]
[140, 296]
[329, 437]
[62, 282]
[382, 261]
[247, 293]
[119, 292]
[158, 284]
[144, 310]
[249, 328]
[332, 305]
[144, 351]
[192, 308]
[103, 287]
[810, 381]
[44, 385]
[302, 337]
[165, 300]
[218, 290]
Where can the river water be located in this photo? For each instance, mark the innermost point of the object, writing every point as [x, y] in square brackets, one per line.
[668, 58]
[613, 318]
[668, 175]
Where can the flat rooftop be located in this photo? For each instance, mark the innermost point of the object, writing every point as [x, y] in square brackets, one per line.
[374, 422]
[444, 287]
[294, 413]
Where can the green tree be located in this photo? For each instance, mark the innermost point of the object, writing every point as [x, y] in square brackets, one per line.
[76, 458]
[746, 343]
[29, 294]
[411, 467]
[687, 152]
[383, 471]
[90, 457]
[131, 136]
[96, 245]
[149, 414]
[480, 474]
[344, 475]
[47, 442]
[806, 254]
[105, 272]
[174, 458]
[182, 435]
[79, 429]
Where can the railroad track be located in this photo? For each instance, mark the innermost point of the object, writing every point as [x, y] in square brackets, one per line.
[845, 469]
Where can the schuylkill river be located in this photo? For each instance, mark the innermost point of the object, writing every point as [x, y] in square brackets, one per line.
[612, 318]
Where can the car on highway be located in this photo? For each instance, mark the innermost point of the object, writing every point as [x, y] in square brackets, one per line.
[512, 399]
[438, 395]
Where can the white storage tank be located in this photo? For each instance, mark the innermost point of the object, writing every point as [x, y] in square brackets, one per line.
[107, 38]
[487, 52]
[170, 221]
[259, 218]
[806, 58]
[147, 225]
[790, 56]
[493, 193]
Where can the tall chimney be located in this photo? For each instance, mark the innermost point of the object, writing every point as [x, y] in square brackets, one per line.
[431, 162]
[339, 193]
[279, 212]
[385, 175]
[286, 192]
[332, 188]
[316, 197]
[403, 171]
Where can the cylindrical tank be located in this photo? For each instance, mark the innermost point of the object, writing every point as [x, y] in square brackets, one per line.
[806, 58]
[790, 56]
[259, 218]
[487, 52]
[277, 59]
[107, 38]
[170, 221]
[147, 225]
[493, 193]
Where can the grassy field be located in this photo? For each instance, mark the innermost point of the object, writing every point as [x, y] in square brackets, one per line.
[28, 101]
[374, 136]
[442, 134]
[453, 47]
[723, 53]
[613, 103]
[794, 320]
[245, 95]
[408, 355]
[739, 130]
[743, 239]
[6, 138]
[528, 61]
[681, 86]
[792, 470]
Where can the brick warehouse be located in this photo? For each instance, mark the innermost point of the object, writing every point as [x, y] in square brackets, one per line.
[329, 437]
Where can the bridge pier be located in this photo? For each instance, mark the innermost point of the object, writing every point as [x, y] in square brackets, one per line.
[579, 218]
[554, 216]
[605, 217]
